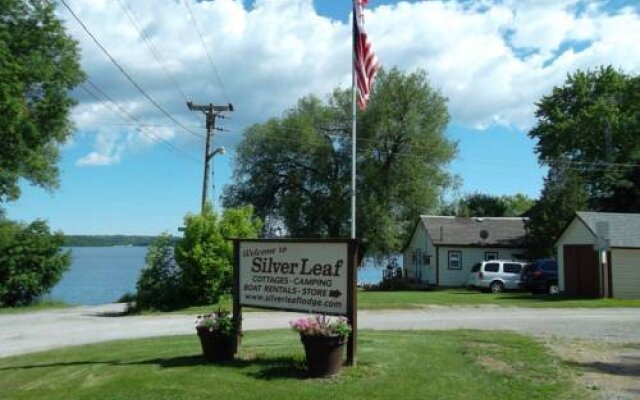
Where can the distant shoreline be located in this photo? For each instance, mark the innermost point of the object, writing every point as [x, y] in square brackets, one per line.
[109, 240]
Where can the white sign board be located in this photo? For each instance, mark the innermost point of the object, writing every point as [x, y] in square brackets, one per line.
[296, 276]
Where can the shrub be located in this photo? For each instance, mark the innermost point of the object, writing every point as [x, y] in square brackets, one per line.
[205, 254]
[31, 261]
[159, 285]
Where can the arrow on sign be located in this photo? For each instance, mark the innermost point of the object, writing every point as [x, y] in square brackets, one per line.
[335, 293]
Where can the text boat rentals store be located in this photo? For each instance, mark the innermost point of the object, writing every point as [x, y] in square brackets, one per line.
[579, 268]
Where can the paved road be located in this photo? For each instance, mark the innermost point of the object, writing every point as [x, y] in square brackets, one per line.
[35, 331]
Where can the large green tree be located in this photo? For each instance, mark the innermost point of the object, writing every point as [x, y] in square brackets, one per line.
[587, 135]
[590, 126]
[39, 65]
[295, 170]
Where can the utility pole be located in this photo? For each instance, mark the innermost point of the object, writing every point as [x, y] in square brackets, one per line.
[211, 112]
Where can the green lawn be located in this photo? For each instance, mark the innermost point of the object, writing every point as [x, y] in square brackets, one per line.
[40, 306]
[382, 300]
[392, 365]
[375, 300]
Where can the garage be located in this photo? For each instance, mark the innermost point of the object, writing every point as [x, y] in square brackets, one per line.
[579, 270]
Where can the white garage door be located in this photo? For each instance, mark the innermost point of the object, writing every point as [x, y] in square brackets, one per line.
[626, 273]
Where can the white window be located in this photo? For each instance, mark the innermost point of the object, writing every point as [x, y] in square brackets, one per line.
[490, 255]
[455, 260]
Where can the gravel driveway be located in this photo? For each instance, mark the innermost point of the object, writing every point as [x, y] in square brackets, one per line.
[36, 331]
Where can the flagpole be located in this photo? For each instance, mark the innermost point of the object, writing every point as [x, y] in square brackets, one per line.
[353, 128]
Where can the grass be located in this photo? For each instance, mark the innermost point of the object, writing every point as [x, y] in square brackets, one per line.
[376, 300]
[39, 306]
[400, 365]
[389, 300]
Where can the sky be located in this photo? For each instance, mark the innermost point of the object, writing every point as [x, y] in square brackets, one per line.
[132, 170]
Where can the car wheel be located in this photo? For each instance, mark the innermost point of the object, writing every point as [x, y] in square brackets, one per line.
[553, 289]
[496, 287]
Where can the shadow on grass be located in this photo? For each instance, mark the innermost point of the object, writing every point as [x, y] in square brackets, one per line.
[108, 314]
[543, 297]
[628, 366]
[263, 368]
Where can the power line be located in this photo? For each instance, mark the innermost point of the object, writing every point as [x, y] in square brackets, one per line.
[206, 50]
[124, 72]
[117, 109]
[154, 51]
[135, 124]
[406, 154]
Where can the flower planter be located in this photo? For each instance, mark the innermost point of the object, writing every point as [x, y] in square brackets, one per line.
[216, 347]
[324, 354]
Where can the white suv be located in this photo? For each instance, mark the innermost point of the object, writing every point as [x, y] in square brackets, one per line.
[496, 275]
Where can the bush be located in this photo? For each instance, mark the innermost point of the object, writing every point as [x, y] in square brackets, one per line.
[31, 261]
[205, 254]
[159, 285]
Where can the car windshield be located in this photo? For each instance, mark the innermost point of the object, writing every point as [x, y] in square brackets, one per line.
[476, 267]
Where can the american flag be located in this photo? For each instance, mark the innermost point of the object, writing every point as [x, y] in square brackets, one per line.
[365, 62]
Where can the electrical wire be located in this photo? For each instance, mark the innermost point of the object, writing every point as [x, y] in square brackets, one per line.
[154, 51]
[118, 110]
[136, 124]
[206, 50]
[124, 72]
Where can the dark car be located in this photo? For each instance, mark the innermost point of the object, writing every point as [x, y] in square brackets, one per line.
[541, 276]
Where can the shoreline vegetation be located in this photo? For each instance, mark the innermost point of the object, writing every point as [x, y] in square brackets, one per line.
[110, 240]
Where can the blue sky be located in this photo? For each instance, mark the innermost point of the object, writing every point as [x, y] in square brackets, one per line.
[491, 59]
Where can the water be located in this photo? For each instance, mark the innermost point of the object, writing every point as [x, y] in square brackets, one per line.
[100, 275]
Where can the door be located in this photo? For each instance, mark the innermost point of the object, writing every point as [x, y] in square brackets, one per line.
[581, 277]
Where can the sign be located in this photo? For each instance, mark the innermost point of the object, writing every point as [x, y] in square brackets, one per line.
[311, 276]
[306, 276]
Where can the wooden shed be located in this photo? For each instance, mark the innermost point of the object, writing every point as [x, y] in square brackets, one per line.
[580, 270]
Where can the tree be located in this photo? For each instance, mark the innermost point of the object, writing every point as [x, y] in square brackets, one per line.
[295, 170]
[563, 194]
[31, 261]
[480, 205]
[39, 65]
[518, 205]
[159, 286]
[589, 125]
[205, 253]
[485, 205]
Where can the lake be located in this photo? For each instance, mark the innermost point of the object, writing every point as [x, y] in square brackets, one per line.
[100, 275]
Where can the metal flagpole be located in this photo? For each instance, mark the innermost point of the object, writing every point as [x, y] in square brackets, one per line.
[353, 126]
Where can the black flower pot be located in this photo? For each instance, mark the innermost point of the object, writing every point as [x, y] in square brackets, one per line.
[324, 354]
[216, 347]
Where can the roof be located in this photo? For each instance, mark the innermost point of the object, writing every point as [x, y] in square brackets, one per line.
[624, 228]
[506, 232]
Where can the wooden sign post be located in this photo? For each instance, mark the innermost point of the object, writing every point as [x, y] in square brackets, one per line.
[304, 275]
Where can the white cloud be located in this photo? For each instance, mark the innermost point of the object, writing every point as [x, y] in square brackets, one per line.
[492, 59]
[95, 159]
